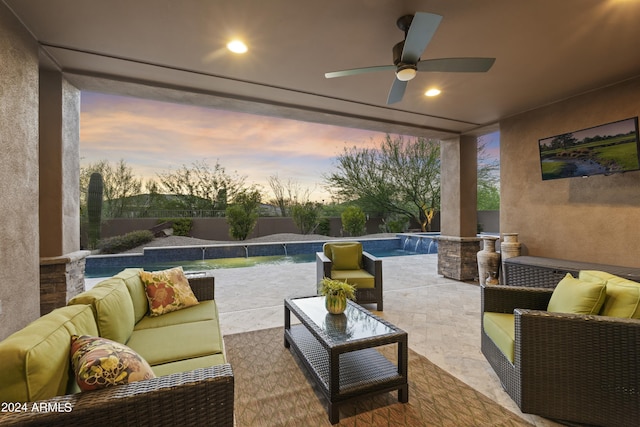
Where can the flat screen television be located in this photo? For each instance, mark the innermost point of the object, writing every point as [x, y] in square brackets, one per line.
[600, 150]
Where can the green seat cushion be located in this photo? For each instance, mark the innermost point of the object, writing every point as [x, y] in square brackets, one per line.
[206, 310]
[112, 307]
[177, 342]
[500, 328]
[189, 364]
[623, 295]
[577, 296]
[131, 278]
[358, 278]
[35, 360]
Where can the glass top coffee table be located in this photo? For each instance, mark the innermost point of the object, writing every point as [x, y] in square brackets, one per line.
[339, 351]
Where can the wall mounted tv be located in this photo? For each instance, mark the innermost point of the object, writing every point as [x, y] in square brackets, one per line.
[600, 150]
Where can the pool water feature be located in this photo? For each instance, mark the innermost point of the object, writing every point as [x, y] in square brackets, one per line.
[209, 257]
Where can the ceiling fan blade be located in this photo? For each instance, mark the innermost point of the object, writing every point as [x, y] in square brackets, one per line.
[355, 71]
[457, 65]
[423, 27]
[397, 91]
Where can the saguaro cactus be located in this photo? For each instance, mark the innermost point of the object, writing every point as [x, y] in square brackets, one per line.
[94, 208]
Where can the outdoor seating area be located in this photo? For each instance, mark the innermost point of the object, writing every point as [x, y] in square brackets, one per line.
[441, 316]
[531, 376]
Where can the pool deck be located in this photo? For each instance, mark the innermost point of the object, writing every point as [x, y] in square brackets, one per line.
[441, 316]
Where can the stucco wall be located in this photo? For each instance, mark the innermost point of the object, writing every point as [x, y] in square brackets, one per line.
[593, 219]
[59, 165]
[19, 253]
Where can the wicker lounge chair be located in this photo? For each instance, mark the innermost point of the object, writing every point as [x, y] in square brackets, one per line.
[367, 277]
[578, 368]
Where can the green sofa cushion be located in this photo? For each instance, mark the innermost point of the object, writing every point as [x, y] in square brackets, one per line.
[577, 296]
[189, 364]
[177, 342]
[623, 295]
[500, 328]
[206, 310]
[35, 360]
[113, 309]
[358, 278]
[131, 278]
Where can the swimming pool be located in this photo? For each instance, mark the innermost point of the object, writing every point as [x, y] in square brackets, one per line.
[211, 257]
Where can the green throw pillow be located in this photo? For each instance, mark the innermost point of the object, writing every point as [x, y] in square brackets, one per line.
[576, 296]
[346, 257]
[623, 295]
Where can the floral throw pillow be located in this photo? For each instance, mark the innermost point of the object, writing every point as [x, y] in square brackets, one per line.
[99, 363]
[167, 290]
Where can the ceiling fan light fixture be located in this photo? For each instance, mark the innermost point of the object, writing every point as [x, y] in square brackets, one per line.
[237, 46]
[406, 72]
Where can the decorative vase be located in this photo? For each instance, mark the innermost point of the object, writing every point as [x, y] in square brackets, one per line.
[335, 304]
[510, 246]
[488, 259]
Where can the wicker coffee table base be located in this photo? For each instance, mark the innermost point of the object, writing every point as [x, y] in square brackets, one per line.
[350, 370]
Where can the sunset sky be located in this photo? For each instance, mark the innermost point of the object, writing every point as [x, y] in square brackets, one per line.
[153, 137]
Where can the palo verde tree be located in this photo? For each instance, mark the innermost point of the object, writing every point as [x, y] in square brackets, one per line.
[488, 179]
[401, 176]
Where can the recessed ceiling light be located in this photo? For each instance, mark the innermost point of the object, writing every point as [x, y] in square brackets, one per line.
[432, 92]
[236, 46]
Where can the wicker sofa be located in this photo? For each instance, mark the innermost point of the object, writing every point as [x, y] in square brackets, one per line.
[571, 367]
[193, 384]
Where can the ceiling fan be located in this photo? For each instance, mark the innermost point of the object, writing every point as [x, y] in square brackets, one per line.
[418, 30]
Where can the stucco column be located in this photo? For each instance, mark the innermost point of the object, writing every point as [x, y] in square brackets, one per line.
[61, 263]
[458, 244]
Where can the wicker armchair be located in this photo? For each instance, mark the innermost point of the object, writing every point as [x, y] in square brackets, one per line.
[370, 264]
[577, 368]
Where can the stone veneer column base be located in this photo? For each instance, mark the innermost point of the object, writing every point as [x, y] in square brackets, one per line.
[61, 278]
[457, 257]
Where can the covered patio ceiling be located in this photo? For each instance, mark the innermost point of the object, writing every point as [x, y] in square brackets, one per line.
[545, 50]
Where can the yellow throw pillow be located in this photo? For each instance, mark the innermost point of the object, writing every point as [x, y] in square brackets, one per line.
[99, 363]
[346, 257]
[167, 290]
[572, 295]
[623, 295]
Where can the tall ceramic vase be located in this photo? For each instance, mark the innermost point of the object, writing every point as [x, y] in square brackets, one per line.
[488, 261]
[509, 248]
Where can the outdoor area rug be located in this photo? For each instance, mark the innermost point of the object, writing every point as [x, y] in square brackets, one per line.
[272, 389]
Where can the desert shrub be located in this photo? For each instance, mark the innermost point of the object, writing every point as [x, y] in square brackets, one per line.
[324, 226]
[117, 244]
[353, 220]
[395, 224]
[181, 226]
[242, 215]
[305, 216]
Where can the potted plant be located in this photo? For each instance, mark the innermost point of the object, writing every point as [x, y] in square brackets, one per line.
[336, 293]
